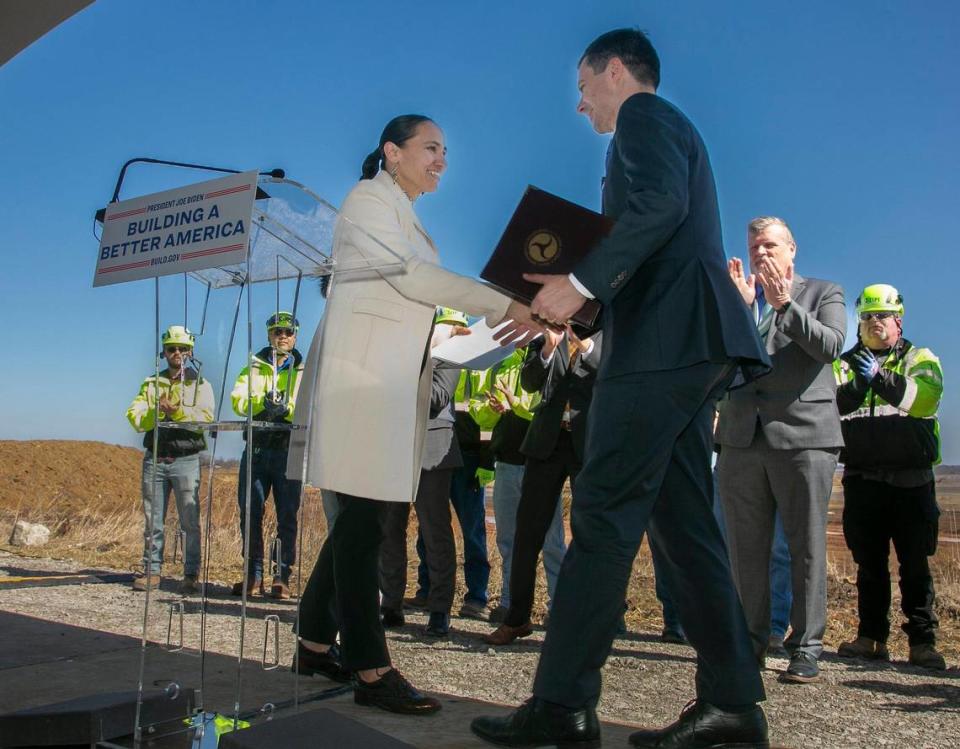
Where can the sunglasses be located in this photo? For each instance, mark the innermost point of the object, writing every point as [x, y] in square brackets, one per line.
[175, 349]
[283, 331]
[867, 316]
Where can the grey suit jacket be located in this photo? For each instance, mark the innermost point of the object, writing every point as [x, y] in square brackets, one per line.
[796, 402]
[440, 449]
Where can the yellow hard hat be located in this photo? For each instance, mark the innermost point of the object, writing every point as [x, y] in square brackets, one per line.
[177, 335]
[283, 320]
[880, 297]
[449, 316]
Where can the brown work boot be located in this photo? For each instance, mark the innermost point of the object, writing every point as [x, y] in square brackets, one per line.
[864, 647]
[189, 586]
[279, 589]
[926, 655]
[254, 587]
[142, 580]
[505, 634]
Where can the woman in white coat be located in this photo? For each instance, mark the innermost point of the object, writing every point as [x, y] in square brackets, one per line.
[370, 399]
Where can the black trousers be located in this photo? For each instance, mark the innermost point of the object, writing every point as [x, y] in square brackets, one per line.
[649, 438]
[433, 515]
[342, 593]
[874, 514]
[539, 490]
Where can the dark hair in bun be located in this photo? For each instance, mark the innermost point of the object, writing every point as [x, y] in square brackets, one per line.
[398, 131]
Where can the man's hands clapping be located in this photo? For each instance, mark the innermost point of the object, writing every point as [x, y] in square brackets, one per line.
[746, 285]
[776, 282]
[274, 406]
[866, 364]
[168, 407]
[551, 340]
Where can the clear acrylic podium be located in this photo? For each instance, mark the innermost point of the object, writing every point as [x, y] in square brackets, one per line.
[213, 642]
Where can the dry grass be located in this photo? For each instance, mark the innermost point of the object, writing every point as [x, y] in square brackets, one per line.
[88, 494]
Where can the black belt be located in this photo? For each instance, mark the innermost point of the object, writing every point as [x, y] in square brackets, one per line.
[170, 458]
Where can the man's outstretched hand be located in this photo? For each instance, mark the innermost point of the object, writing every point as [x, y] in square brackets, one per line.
[557, 301]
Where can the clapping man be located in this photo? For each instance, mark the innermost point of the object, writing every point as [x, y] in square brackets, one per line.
[779, 438]
[888, 396]
[171, 462]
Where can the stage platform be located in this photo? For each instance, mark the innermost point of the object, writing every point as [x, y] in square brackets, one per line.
[44, 662]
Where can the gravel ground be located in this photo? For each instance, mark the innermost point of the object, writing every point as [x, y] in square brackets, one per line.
[645, 682]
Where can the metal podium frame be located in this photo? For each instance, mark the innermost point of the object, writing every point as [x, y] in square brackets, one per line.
[284, 254]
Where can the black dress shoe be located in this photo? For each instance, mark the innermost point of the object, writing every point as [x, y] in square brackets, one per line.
[308, 662]
[391, 618]
[439, 624]
[701, 726]
[803, 668]
[540, 723]
[673, 637]
[775, 647]
[394, 693]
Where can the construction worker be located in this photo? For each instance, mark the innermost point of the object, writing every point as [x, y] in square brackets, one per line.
[178, 394]
[888, 395]
[271, 392]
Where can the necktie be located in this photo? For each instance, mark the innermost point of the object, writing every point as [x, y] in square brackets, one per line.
[766, 319]
[763, 313]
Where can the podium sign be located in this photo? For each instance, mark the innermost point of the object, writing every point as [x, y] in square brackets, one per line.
[198, 226]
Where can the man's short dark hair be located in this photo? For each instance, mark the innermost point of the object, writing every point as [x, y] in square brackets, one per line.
[634, 49]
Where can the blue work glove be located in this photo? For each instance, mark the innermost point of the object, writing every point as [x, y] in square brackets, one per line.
[274, 407]
[866, 364]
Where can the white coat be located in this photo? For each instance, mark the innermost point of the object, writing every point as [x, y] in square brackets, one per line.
[367, 379]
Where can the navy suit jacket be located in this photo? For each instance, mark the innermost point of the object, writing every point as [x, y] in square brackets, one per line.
[661, 273]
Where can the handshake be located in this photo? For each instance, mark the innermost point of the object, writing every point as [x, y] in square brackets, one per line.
[553, 306]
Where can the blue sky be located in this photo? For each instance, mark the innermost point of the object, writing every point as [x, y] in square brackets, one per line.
[840, 117]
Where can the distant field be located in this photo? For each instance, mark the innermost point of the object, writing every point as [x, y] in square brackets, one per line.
[88, 494]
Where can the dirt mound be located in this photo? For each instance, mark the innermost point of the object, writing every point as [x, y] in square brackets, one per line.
[68, 474]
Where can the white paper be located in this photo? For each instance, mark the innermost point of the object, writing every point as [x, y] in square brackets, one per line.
[475, 351]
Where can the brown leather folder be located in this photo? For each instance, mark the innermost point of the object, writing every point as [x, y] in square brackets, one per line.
[546, 234]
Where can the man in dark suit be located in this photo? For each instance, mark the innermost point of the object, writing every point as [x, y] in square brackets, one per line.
[779, 440]
[561, 368]
[676, 332]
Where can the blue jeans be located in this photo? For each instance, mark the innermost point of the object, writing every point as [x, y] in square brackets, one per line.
[467, 497]
[269, 472]
[781, 589]
[182, 477]
[506, 498]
